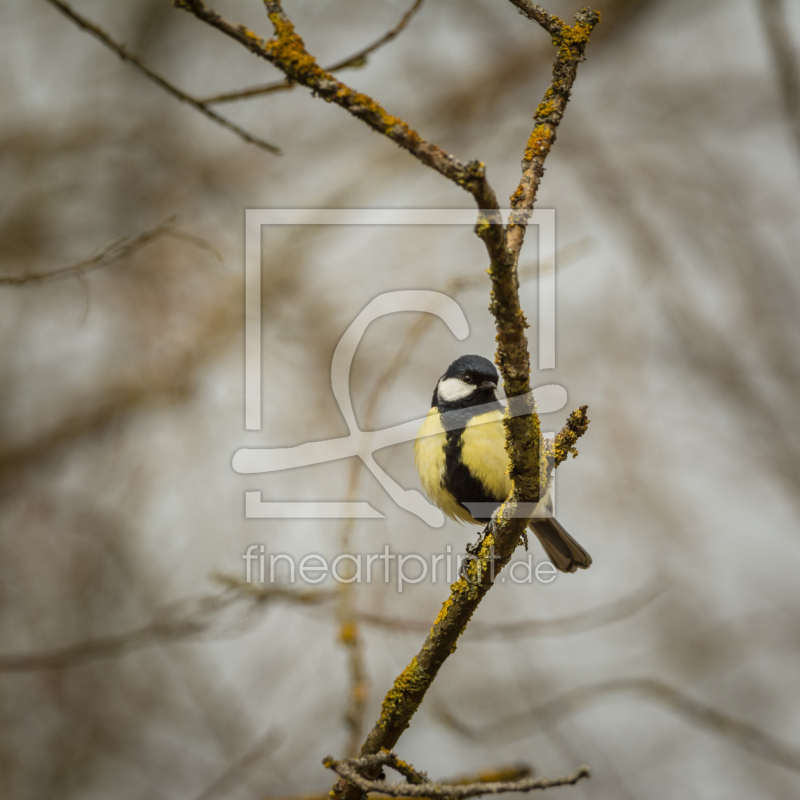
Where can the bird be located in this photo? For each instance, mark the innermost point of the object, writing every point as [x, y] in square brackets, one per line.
[461, 458]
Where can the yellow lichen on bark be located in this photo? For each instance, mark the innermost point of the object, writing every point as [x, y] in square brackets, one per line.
[538, 143]
[401, 696]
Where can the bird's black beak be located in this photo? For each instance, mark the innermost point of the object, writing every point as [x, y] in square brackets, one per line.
[487, 385]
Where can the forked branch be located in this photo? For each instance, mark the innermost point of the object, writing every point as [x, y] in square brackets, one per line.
[417, 784]
[357, 59]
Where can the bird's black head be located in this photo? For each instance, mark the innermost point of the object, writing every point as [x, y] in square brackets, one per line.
[469, 381]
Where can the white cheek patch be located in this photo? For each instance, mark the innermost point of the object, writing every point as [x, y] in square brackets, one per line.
[452, 389]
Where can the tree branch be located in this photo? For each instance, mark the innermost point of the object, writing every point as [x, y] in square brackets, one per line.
[568, 436]
[132, 58]
[571, 42]
[116, 251]
[288, 53]
[504, 774]
[419, 786]
[357, 59]
[551, 23]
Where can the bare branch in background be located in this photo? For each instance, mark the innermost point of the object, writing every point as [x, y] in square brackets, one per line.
[233, 776]
[116, 251]
[419, 786]
[193, 617]
[179, 621]
[357, 59]
[170, 88]
[561, 626]
[351, 639]
[171, 380]
[743, 734]
[787, 65]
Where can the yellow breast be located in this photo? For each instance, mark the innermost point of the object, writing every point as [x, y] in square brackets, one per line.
[482, 450]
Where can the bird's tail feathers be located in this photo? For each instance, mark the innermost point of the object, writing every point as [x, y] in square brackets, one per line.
[565, 553]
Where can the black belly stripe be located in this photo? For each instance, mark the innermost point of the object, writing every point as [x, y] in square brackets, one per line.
[458, 480]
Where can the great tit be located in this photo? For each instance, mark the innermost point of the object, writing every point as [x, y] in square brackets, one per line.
[461, 458]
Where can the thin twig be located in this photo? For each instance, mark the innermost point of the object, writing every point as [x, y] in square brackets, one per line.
[350, 770]
[132, 58]
[571, 42]
[116, 251]
[504, 773]
[568, 436]
[501, 774]
[357, 59]
[550, 22]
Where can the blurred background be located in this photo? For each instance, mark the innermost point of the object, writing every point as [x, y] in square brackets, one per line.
[127, 669]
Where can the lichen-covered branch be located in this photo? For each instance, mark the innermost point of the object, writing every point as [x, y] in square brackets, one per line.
[288, 53]
[500, 774]
[571, 41]
[357, 59]
[167, 86]
[351, 770]
[410, 686]
[550, 22]
[568, 436]
[529, 463]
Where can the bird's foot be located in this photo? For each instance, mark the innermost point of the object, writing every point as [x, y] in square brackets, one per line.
[474, 549]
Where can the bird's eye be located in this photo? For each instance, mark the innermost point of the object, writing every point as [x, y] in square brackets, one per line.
[467, 378]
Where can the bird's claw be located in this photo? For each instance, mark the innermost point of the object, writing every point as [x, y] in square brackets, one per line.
[474, 549]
